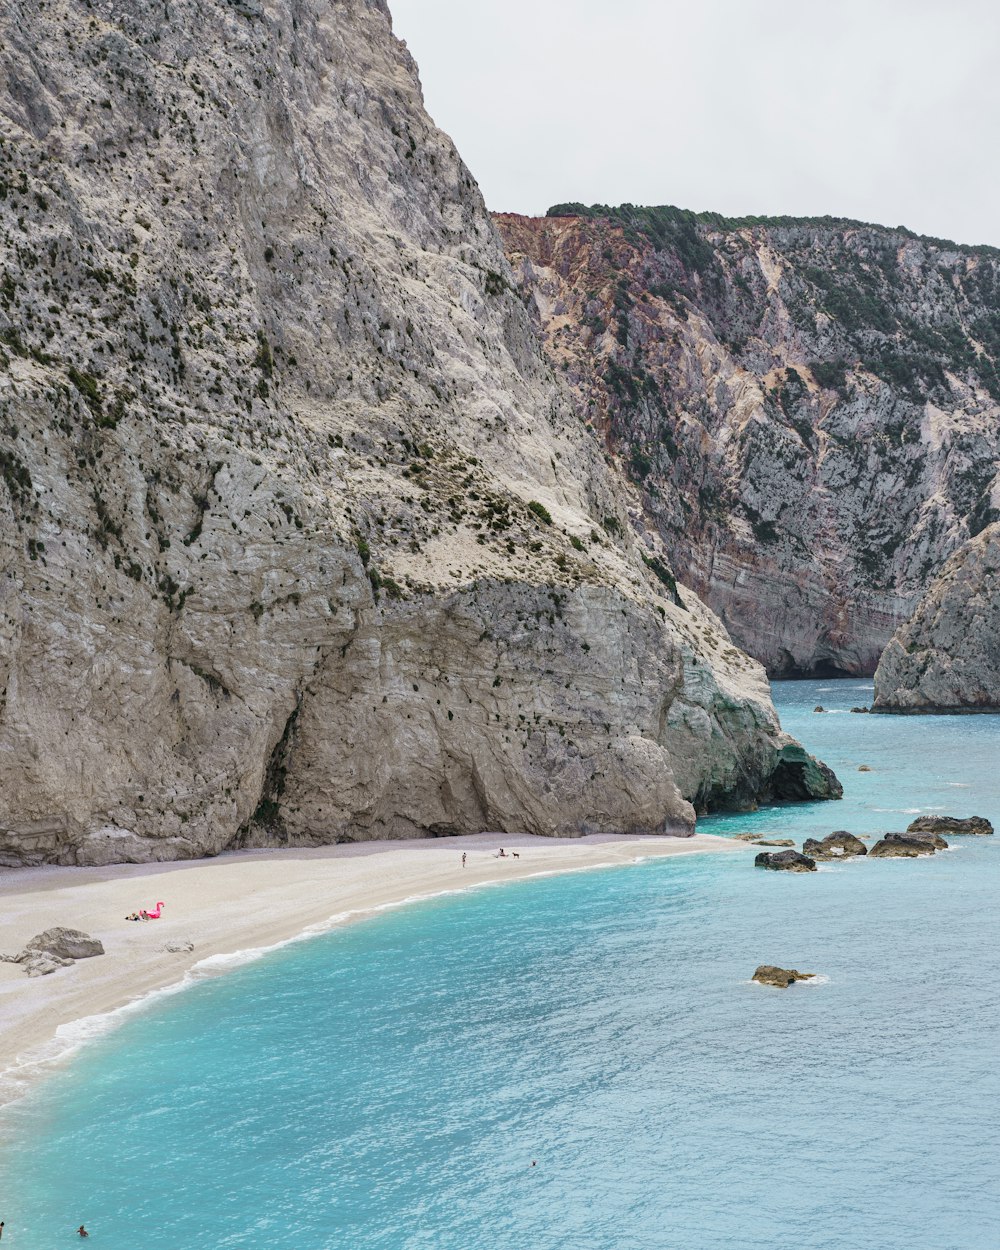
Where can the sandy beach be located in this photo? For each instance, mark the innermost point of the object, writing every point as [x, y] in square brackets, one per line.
[237, 902]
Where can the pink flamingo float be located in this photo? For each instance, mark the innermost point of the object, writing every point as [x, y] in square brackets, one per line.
[154, 915]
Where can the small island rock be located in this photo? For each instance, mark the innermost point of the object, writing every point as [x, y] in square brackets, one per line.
[768, 974]
[819, 708]
[902, 846]
[979, 826]
[785, 861]
[863, 768]
[860, 709]
[837, 845]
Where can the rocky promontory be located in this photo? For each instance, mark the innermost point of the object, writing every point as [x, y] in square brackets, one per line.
[945, 658]
[303, 539]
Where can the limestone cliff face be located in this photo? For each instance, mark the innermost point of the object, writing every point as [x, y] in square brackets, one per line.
[947, 657]
[811, 408]
[302, 540]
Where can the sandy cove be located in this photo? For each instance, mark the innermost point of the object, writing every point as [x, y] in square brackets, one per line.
[240, 901]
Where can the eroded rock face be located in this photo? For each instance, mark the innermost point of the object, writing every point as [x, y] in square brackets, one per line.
[785, 861]
[978, 826]
[809, 407]
[781, 978]
[301, 538]
[946, 657]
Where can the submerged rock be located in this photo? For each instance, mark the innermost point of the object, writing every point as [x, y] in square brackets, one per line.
[769, 974]
[785, 861]
[775, 842]
[978, 826]
[864, 768]
[837, 845]
[902, 846]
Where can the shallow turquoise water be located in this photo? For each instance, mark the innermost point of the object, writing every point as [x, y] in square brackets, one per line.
[387, 1086]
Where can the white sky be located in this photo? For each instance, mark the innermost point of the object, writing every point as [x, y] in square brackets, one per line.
[883, 110]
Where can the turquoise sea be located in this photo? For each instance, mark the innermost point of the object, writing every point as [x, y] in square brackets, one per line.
[389, 1085]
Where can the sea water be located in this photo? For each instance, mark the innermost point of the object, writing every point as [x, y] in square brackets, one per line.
[580, 1062]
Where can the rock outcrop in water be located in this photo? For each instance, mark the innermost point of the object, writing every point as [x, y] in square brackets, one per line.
[785, 861]
[838, 845]
[811, 409]
[906, 846]
[781, 978]
[945, 658]
[978, 826]
[302, 540]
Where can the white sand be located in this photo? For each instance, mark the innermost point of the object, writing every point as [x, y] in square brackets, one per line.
[239, 901]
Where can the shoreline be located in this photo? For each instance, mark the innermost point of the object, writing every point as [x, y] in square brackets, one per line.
[236, 907]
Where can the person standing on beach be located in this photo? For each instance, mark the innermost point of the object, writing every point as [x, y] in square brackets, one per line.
[463, 859]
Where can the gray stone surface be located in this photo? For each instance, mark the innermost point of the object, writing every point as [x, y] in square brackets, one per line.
[785, 861]
[811, 442]
[947, 657]
[302, 539]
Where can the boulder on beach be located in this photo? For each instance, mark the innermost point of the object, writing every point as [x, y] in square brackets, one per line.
[66, 944]
[837, 845]
[978, 826]
[785, 861]
[768, 974]
[55, 948]
[903, 846]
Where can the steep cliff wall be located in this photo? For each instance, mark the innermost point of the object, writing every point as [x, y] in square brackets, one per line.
[947, 657]
[811, 408]
[301, 539]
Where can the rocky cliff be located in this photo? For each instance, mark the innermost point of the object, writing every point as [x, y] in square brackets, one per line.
[302, 540]
[947, 657]
[810, 408]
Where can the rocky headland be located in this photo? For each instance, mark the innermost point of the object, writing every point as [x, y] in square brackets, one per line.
[809, 409]
[946, 658]
[303, 539]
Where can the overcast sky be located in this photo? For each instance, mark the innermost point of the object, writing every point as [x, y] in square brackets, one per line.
[883, 110]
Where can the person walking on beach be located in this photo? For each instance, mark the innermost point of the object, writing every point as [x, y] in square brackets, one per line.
[463, 859]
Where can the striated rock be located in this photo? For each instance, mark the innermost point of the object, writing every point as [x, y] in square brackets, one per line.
[785, 861]
[945, 658]
[782, 978]
[976, 825]
[903, 846]
[811, 445]
[302, 540]
[178, 948]
[838, 845]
